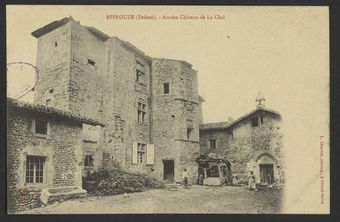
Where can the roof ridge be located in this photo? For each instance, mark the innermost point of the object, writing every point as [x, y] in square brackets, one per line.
[239, 119]
[52, 111]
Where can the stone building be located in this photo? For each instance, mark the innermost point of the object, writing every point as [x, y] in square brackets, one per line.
[253, 142]
[150, 106]
[44, 149]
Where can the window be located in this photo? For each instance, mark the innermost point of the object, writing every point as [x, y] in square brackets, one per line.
[255, 122]
[212, 143]
[41, 126]
[140, 152]
[166, 88]
[48, 102]
[140, 74]
[91, 62]
[50, 91]
[141, 113]
[35, 169]
[189, 130]
[55, 44]
[213, 172]
[88, 161]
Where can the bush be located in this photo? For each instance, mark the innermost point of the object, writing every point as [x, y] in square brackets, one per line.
[116, 181]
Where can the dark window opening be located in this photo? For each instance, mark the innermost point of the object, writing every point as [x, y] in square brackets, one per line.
[140, 72]
[35, 169]
[91, 62]
[166, 88]
[213, 172]
[141, 113]
[41, 126]
[189, 130]
[212, 143]
[50, 91]
[88, 161]
[48, 102]
[55, 44]
[140, 76]
[255, 122]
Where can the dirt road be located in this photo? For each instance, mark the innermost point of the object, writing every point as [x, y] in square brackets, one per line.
[198, 199]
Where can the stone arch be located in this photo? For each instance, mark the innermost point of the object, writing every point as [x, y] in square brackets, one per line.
[257, 155]
[266, 156]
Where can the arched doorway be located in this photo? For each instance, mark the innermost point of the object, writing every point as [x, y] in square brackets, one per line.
[267, 169]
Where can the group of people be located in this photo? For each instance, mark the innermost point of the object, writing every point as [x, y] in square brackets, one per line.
[251, 180]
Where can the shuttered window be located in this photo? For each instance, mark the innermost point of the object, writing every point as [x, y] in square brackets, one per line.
[143, 153]
[150, 154]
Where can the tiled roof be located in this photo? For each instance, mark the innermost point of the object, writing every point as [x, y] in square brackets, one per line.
[225, 125]
[219, 125]
[52, 111]
[51, 26]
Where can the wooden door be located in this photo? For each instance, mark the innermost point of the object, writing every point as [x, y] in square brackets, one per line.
[169, 170]
[266, 173]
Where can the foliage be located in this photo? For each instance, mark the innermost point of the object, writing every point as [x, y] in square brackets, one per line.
[117, 181]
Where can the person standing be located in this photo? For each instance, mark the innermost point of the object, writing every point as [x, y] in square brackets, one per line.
[185, 178]
[251, 182]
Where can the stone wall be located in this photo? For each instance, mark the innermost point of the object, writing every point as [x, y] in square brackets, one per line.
[61, 149]
[222, 138]
[242, 144]
[123, 93]
[86, 78]
[53, 63]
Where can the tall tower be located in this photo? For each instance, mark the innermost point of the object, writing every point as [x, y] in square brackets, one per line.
[175, 106]
[71, 62]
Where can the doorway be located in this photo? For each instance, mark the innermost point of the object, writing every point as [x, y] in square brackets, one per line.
[266, 174]
[169, 170]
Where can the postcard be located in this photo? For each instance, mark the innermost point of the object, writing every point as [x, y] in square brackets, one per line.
[168, 109]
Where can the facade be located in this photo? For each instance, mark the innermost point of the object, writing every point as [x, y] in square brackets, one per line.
[150, 106]
[251, 143]
[44, 147]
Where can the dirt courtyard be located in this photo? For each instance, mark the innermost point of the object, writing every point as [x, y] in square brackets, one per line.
[197, 199]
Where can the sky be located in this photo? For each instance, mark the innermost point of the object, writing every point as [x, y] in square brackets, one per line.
[235, 57]
[281, 51]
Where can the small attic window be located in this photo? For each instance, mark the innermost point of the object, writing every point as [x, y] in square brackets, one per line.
[55, 44]
[166, 88]
[91, 62]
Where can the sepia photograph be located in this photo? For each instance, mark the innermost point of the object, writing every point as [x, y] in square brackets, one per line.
[167, 109]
